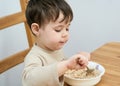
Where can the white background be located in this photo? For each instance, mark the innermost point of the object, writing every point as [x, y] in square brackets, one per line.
[95, 23]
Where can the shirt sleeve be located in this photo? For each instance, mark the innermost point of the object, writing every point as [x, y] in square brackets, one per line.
[35, 74]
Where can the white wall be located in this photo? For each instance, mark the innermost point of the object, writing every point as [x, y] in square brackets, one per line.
[95, 22]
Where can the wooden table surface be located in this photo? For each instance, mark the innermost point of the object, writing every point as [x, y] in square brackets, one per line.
[108, 55]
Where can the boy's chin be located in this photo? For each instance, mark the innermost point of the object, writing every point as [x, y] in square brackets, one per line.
[58, 48]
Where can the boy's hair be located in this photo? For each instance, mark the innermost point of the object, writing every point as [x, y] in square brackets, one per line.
[44, 11]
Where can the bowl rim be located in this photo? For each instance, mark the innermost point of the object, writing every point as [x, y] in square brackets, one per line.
[99, 76]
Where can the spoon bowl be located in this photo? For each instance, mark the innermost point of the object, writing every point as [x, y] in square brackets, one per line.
[89, 70]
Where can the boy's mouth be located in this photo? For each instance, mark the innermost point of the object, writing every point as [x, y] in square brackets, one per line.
[62, 42]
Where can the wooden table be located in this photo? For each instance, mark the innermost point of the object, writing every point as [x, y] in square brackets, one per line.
[108, 55]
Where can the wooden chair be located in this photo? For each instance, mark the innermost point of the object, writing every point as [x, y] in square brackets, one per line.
[14, 19]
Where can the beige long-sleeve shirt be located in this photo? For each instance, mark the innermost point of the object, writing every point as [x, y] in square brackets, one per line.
[41, 68]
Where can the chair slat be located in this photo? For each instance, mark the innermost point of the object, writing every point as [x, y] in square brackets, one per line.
[12, 60]
[10, 20]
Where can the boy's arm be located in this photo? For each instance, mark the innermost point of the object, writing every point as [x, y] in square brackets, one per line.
[36, 74]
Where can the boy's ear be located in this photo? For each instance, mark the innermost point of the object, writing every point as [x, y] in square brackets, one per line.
[35, 28]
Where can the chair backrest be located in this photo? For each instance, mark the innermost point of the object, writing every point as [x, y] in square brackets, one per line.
[14, 19]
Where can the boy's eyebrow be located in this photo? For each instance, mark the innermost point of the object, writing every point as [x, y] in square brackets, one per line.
[60, 25]
[56, 26]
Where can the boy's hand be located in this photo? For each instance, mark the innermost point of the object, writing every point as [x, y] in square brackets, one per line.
[78, 61]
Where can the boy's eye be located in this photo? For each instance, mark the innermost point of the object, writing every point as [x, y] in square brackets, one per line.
[67, 29]
[57, 30]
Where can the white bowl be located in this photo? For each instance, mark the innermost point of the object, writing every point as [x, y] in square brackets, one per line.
[89, 81]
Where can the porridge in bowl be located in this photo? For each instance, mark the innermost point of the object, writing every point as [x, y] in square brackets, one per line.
[82, 78]
[82, 73]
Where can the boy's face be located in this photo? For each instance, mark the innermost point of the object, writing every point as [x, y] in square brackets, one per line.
[54, 35]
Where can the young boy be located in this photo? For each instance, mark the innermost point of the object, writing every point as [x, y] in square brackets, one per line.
[45, 64]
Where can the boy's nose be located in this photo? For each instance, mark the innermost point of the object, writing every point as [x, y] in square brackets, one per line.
[65, 34]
